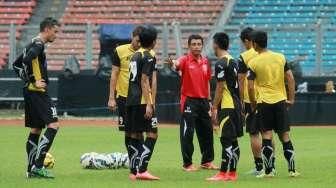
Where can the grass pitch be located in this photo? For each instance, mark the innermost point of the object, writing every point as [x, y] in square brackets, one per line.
[314, 146]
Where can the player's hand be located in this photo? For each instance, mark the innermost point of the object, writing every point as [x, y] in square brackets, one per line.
[40, 84]
[112, 105]
[214, 116]
[171, 63]
[289, 103]
[149, 111]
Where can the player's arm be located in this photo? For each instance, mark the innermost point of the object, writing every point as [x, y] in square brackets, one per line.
[28, 57]
[242, 70]
[175, 65]
[220, 79]
[250, 85]
[291, 85]
[154, 87]
[147, 70]
[113, 81]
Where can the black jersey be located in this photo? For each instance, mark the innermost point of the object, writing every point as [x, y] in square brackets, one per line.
[142, 62]
[32, 65]
[226, 72]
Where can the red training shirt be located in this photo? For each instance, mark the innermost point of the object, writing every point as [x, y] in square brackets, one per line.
[195, 77]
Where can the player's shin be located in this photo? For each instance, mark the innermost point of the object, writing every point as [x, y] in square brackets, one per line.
[267, 155]
[44, 146]
[148, 148]
[289, 154]
[235, 156]
[31, 148]
[226, 154]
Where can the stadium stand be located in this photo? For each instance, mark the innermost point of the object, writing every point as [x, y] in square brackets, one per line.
[276, 14]
[18, 13]
[192, 14]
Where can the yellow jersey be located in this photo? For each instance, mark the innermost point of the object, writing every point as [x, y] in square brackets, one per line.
[268, 71]
[244, 60]
[121, 59]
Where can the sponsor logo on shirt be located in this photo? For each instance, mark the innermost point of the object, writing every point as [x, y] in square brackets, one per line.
[220, 74]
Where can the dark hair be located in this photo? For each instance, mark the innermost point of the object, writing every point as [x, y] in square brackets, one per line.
[197, 37]
[48, 23]
[260, 38]
[137, 30]
[245, 34]
[222, 40]
[147, 36]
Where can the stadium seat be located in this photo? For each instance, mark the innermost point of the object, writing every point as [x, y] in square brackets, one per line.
[291, 13]
[13, 12]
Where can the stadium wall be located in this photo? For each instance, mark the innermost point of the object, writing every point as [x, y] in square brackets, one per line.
[87, 95]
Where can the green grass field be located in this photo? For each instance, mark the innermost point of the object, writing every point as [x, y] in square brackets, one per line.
[315, 159]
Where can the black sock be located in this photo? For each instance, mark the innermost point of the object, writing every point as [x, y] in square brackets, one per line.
[134, 150]
[267, 155]
[44, 146]
[226, 153]
[235, 156]
[258, 163]
[31, 149]
[148, 148]
[289, 155]
[226, 158]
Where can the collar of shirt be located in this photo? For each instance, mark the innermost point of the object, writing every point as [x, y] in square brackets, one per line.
[192, 58]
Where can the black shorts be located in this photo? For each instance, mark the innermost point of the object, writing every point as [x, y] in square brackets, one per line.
[230, 123]
[252, 120]
[40, 110]
[273, 117]
[121, 104]
[136, 121]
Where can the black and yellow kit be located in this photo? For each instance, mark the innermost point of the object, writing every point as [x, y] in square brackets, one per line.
[230, 120]
[142, 62]
[252, 124]
[39, 108]
[121, 58]
[268, 71]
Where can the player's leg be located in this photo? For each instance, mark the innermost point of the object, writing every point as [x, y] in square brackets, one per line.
[31, 148]
[121, 102]
[136, 139]
[204, 133]
[45, 143]
[283, 129]
[148, 148]
[237, 131]
[267, 117]
[134, 151]
[187, 127]
[225, 129]
[44, 113]
[148, 145]
[253, 129]
[35, 131]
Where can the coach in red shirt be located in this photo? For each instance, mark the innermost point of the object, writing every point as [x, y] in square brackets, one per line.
[195, 73]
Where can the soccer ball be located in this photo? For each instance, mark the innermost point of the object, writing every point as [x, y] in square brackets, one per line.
[86, 160]
[49, 161]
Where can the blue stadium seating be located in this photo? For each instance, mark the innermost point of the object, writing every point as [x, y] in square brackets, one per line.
[275, 15]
